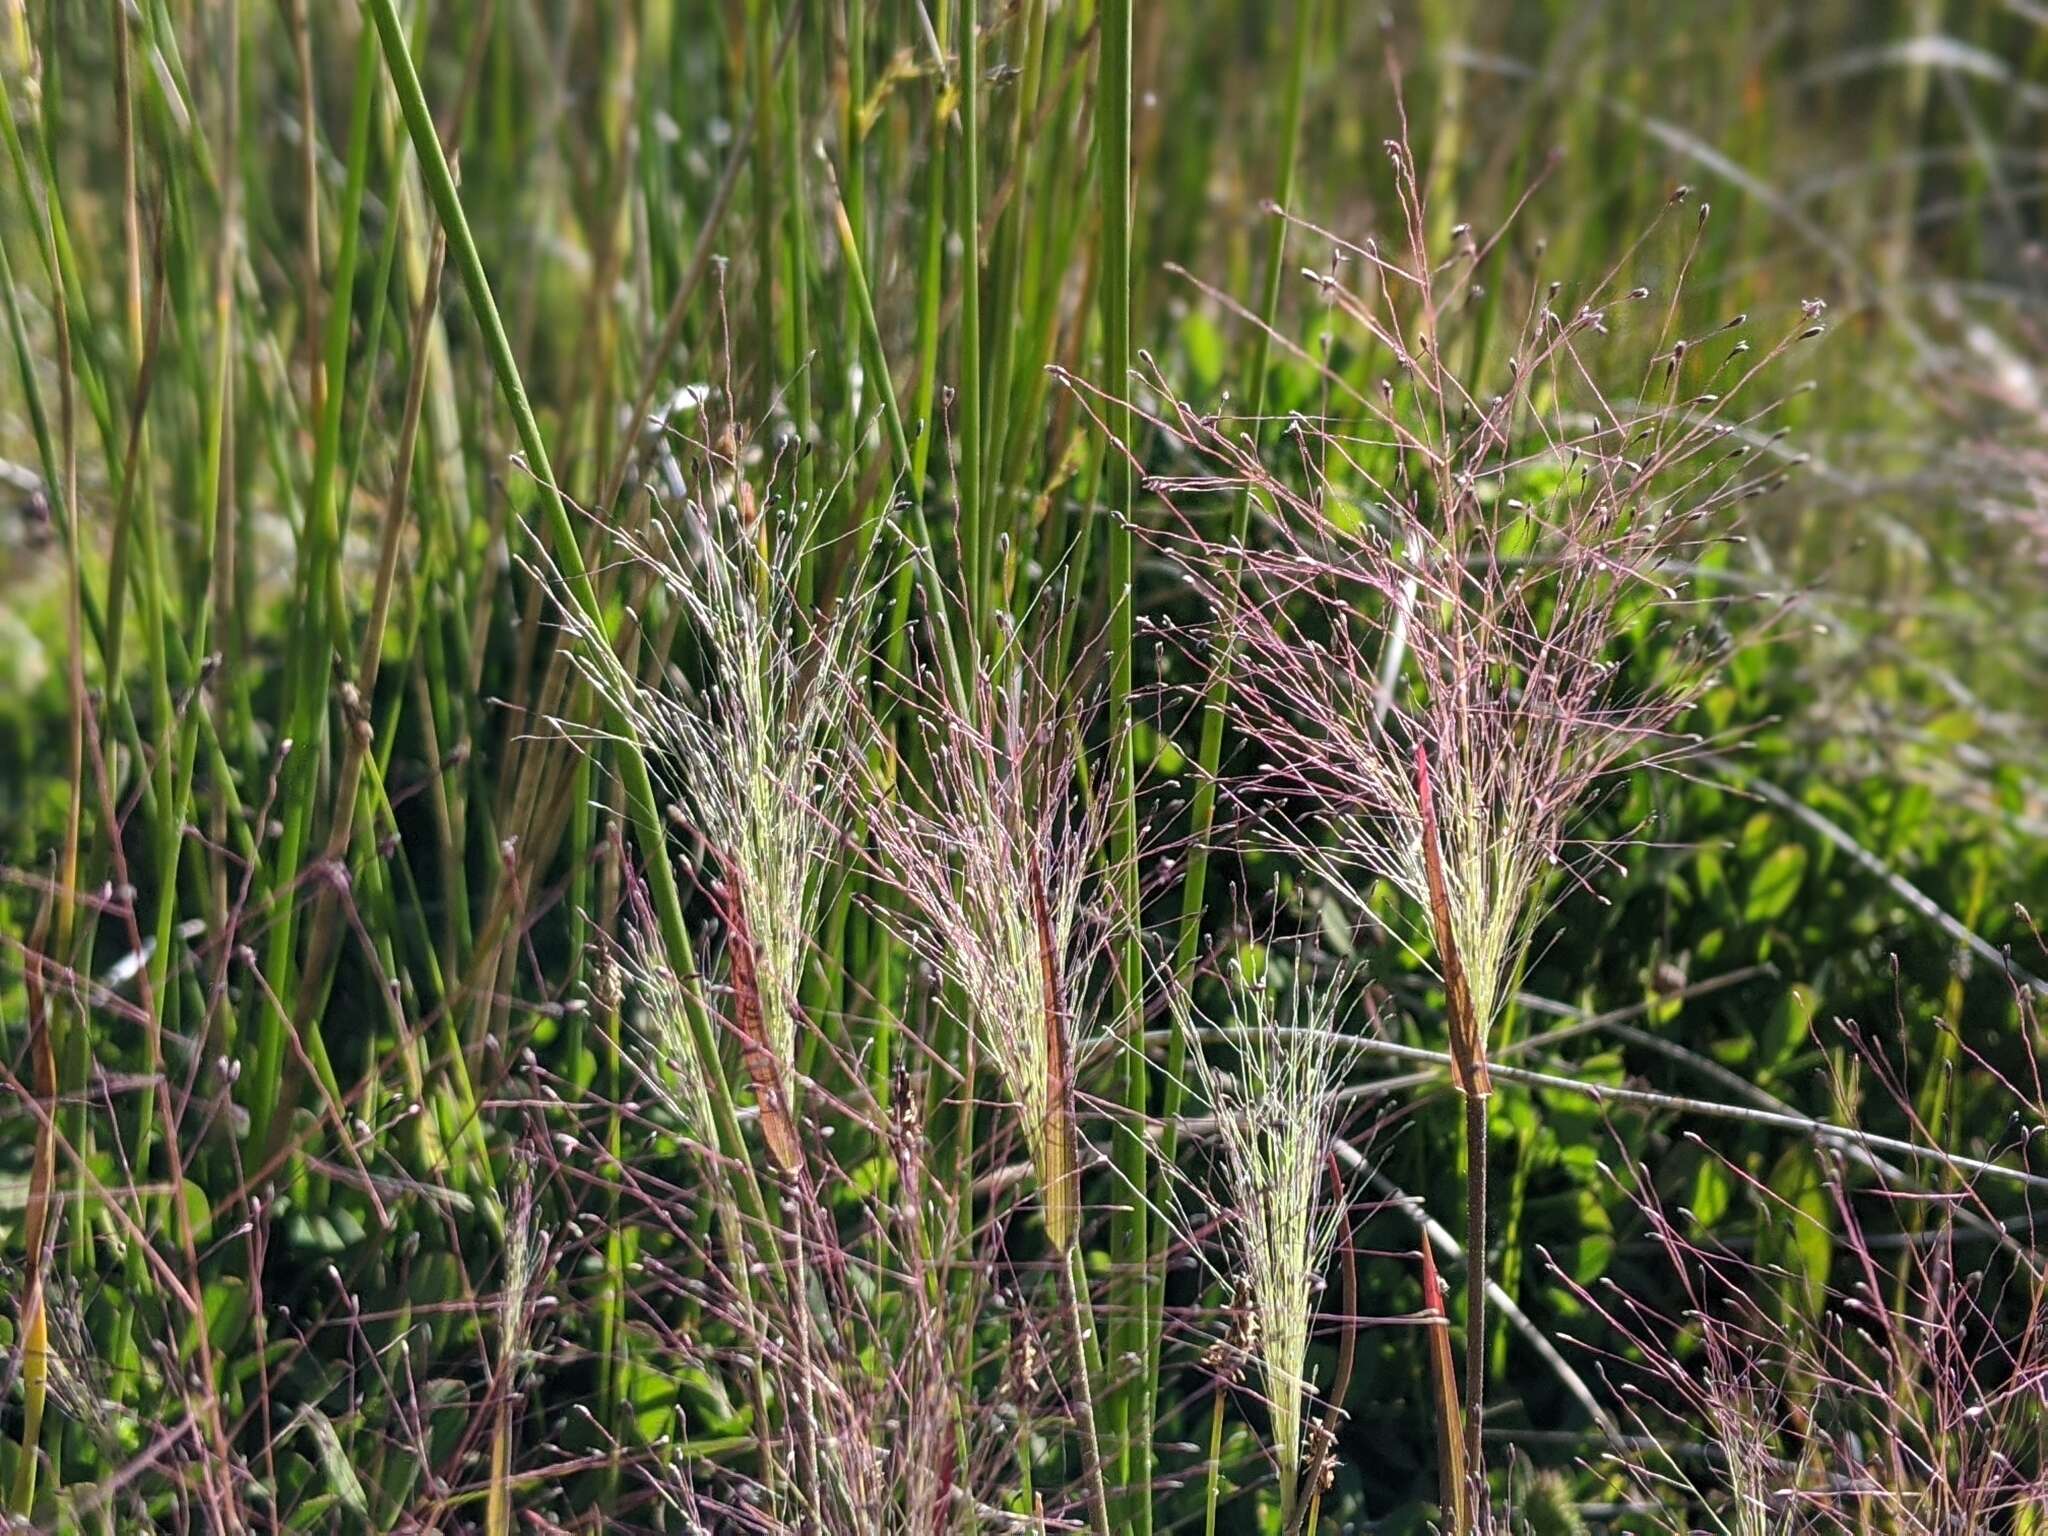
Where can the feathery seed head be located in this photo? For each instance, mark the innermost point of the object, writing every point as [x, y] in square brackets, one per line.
[1276, 1110]
[526, 1247]
[1478, 568]
[992, 858]
[749, 735]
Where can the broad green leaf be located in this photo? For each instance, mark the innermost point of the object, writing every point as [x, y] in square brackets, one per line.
[1712, 1193]
[1204, 344]
[1785, 1033]
[653, 1399]
[1805, 1238]
[342, 1482]
[199, 1211]
[1775, 884]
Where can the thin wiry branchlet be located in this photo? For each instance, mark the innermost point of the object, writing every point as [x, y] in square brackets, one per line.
[882, 1430]
[886, 1433]
[1276, 1110]
[750, 739]
[992, 861]
[78, 1374]
[1907, 1381]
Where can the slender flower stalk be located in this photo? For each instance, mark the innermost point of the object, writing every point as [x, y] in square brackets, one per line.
[1276, 1110]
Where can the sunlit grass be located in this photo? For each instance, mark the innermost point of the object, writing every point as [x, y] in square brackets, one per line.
[664, 647]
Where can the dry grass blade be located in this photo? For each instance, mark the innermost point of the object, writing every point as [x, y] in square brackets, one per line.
[1467, 1035]
[1454, 1485]
[757, 1049]
[35, 1321]
[1058, 1172]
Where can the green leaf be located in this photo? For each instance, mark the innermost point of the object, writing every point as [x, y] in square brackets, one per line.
[311, 1515]
[1785, 1033]
[703, 1394]
[199, 1211]
[653, 1398]
[1775, 884]
[342, 1481]
[1204, 345]
[1759, 833]
[873, 1177]
[1586, 1260]
[227, 1314]
[1805, 1242]
[1712, 1194]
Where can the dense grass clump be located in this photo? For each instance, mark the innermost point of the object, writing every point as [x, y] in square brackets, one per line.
[851, 766]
